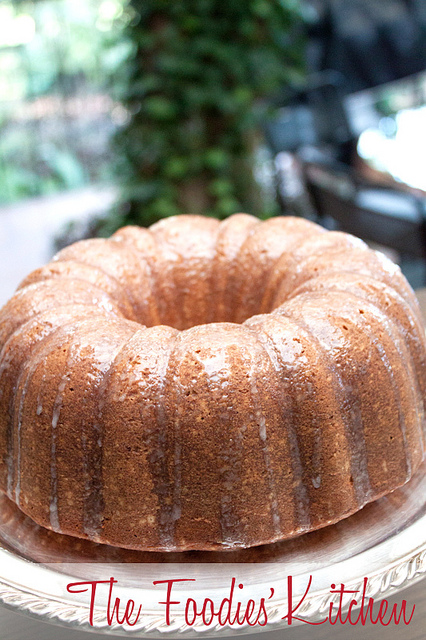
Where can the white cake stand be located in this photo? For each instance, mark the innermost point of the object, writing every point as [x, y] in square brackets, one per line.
[385, 542]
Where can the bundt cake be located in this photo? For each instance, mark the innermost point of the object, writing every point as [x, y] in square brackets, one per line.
[209, 385]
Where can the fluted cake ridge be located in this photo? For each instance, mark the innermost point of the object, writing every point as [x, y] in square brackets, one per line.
[209, 385]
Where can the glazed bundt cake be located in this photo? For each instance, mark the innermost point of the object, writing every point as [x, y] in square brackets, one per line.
[209, 385]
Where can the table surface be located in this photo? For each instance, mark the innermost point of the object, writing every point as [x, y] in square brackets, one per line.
[14, 626]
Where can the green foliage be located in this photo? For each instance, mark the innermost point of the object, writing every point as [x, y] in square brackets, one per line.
[55, 59]
[194, 85]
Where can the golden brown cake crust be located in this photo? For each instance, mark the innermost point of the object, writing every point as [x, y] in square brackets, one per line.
[209, 385]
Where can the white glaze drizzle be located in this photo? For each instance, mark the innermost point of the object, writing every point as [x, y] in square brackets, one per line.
[301, 495]
[28, 372]
[57, 406]
[103, 354]
[386, 324]
[45, 331]
[216, 367]
[37, 358]
[362, 486]
[167, 516]
[6, 359]
[261, 421]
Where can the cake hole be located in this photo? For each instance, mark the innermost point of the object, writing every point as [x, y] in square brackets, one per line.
[188, 296]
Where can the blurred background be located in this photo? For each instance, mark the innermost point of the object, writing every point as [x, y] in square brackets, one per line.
[118, 112]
